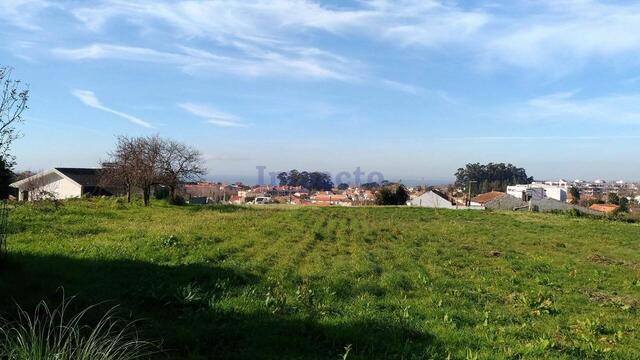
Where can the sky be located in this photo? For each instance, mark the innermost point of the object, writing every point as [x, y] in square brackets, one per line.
[411, 89]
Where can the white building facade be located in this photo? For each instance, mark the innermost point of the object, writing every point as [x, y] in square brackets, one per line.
[539, 191]
[58, 183]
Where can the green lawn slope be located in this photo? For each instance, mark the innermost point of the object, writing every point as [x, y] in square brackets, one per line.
[306, 283]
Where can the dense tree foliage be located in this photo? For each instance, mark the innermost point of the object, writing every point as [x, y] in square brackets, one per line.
[310, 180]
[623, 205]
[370, 186]
[6, 177]
[613, 198]
[395, 194]
[490, 177]
[575, 194]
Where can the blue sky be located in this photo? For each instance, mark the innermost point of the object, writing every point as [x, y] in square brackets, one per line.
[411, 88]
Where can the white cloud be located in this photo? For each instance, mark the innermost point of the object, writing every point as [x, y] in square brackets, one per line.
[23, 13]
[562, 107]
[297, 62]
[212, 115]
[89, 98]
[564, 35]
[267, 22]
[118, 52]
[266, 37]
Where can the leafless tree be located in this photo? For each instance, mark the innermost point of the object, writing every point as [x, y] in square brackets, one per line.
[13, 102]
[119, 170]
[179, 163]
[143, 162]
[148, 162]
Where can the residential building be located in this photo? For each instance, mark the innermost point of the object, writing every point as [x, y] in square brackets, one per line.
[433, 199]
[61, 183]
[324, 199]
[556, 190]
[481, 199]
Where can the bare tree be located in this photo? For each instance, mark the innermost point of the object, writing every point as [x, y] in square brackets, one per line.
[13, 102]
[179, 163]
[119, 170]
[143, 162]
[147, 162]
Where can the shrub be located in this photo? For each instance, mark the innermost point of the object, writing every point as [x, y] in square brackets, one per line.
[392, 195]
[161, 192]
[50, 334]
[4, 215]
[177, 200]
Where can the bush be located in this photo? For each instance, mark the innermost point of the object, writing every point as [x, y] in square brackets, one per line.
[4, 218]
[50, 334]
[392, 195]
[161, 192]
[177, 200]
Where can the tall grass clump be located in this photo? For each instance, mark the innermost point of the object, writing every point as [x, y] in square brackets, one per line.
[4, 215]
[55, 334]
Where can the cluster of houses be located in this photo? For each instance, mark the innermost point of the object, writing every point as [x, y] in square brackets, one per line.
[300, 196]
[539, 195]
[64, 183]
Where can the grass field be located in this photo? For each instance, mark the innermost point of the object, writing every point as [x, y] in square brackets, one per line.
[305, 283]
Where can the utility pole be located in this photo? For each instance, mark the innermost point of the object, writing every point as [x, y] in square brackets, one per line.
[469, 190]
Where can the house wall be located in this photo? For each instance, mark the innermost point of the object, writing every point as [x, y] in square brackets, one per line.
[538, 192]
[58, 186]
[556, 193]
[431, 200]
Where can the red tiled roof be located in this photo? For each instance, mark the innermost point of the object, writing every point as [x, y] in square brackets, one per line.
[605, 208]
[486, 197]
[323, 197]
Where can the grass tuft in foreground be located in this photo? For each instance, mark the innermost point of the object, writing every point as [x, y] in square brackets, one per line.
[57, 334]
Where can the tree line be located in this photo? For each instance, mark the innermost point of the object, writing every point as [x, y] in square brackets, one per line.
[147, 161]
[490, 177]
[316, 181]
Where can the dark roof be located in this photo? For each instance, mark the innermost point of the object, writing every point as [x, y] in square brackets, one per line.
[83, 176]
[441, 194]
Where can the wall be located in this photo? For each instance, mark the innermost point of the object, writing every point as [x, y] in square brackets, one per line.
[431, 200]
[60, 187]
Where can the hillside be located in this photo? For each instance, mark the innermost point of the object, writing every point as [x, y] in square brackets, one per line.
[304, 283]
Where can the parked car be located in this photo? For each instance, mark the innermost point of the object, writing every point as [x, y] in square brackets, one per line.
[261, 200]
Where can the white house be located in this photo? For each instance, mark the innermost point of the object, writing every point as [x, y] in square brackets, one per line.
[539, 191]
[59, 183]
[525, 192]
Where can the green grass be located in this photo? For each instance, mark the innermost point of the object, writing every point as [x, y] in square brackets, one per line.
[305, 283]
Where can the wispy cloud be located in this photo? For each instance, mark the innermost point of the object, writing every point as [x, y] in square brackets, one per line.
[272, 36]
[297, 62]
[212, 115]
[567, 106]
[89, 98]
[566, 34]
[23, 13]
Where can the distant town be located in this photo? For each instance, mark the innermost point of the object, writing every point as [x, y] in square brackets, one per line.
[590, 197]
